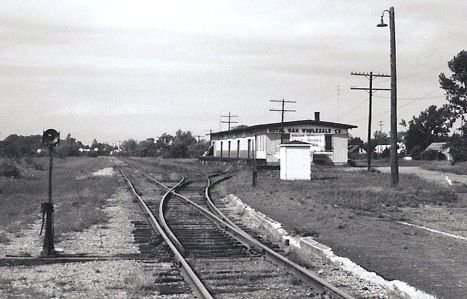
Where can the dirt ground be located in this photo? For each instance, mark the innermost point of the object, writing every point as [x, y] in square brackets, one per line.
[431, 262]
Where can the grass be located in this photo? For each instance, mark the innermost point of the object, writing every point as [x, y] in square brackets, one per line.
[138, 280]
[445, 166]
[9, 168]
[169, 169]
[78, 202]
[357, 190]
[4, 238]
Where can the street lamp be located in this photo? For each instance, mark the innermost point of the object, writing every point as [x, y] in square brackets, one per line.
[393, 149]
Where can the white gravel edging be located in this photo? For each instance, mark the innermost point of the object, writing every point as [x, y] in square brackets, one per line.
[433, 230]
[308, 245]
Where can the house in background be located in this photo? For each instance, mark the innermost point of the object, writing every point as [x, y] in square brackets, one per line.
[440, 147]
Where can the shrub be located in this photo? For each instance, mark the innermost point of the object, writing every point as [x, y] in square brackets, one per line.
[8, 168]
[4, 238]
[416, 151]
[31, 162]
[431, 155]
[458, 148]
[385, 153]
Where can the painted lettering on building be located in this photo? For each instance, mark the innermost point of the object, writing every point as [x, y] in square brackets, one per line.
[312, 130]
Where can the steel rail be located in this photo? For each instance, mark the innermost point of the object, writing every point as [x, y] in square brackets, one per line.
[200, 288]
[303, 272]
[250, 241]
[162, 207]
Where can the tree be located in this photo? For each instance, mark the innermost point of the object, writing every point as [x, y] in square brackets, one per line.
[147, 148]
[69, 147]
[100, 149]
[431, 125]
[456, 85]
[15, 146]
[458, 147]
[197, 149]
[380, 137]
[129, 147]
[181, 142]
[163, 144]
[355, 141]
[456, 92]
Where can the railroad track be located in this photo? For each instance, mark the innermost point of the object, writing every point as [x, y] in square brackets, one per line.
[217, 257]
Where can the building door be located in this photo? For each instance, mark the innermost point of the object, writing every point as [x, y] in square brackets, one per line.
[328, 143]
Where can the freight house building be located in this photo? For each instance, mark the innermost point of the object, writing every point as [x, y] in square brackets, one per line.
[328, 140]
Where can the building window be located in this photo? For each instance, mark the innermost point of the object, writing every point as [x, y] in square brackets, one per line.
[328, 143]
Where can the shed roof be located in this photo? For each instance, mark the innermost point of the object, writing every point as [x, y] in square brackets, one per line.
[437, 146]
[287, 123]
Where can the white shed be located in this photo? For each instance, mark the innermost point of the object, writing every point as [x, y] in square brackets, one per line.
[295, 160]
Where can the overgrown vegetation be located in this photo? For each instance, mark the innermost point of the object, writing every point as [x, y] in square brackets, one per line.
[182, 145]
[77, 196]
[357, 190]
[9, 168]
[445, 166]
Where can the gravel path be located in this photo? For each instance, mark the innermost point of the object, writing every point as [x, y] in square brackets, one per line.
[114, 237]
[95, 279]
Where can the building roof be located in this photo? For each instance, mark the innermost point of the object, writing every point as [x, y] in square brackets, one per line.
[437, 146]
[287, 123]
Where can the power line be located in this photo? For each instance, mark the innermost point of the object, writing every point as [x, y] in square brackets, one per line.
[424, 97]
[355, 107]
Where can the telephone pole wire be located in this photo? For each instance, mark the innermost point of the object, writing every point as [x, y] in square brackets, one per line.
[198, 137]
[229, 121]
[283, 110]
[370, 90]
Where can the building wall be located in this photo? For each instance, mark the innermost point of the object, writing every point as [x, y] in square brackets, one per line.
[340, 149]
[238, 147]
[331, 142]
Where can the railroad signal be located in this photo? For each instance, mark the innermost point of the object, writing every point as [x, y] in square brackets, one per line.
[51, 138]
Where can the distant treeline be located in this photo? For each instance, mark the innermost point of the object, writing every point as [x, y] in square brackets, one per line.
[182, 145]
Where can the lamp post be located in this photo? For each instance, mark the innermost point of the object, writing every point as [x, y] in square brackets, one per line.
[393, 149]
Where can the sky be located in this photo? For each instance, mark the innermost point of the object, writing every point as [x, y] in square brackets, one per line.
[113, 70]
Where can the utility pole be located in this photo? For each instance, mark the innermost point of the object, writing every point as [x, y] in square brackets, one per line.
[338, 102]
[370, 90]
[393, 150]
[210, 135]
[229, 121]
[283, 110]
